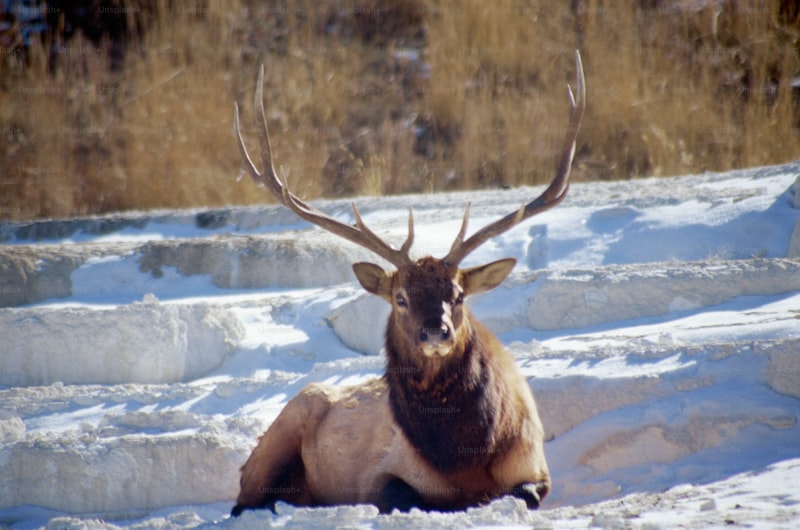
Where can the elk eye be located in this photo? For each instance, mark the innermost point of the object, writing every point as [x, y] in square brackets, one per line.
[460, 298]
[401, 300]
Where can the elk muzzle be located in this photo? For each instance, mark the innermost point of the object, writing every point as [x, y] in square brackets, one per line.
[436, 337]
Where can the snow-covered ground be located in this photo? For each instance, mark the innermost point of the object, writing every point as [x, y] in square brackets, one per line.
[657, 321]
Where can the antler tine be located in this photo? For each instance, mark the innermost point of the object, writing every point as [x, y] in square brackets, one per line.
[360, 234]
[410, 238]
[461, 232]
[554, 193]
[375, 240]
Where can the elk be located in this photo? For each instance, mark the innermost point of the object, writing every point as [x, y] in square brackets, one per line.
[452, 423]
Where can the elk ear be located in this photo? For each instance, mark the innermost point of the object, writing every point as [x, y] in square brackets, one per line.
[374, 279]
[486, 277]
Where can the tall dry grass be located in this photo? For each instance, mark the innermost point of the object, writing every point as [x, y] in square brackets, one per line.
[391, 96]
[86, 139]
[674, 87]
[497, 100]
[691, 87]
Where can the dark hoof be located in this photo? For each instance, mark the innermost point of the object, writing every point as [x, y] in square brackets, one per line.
[397, 494]
[530, 493]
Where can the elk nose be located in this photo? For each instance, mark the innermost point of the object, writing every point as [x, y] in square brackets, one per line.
[434, 331]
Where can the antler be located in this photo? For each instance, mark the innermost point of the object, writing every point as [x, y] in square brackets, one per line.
[359, 234]
[554, 193]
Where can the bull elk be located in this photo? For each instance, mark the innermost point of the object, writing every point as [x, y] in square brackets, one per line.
[452, 423]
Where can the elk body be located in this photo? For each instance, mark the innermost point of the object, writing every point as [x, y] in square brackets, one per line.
[452, 423]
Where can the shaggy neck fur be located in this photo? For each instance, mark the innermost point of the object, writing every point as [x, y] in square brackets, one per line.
[449, 408]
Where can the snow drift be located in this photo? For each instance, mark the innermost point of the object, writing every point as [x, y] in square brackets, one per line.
[656, 321]
[146, 342]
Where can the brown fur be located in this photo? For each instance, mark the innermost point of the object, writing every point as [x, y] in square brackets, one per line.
[459, 428]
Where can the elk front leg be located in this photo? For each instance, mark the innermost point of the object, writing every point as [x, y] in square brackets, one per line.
[275, 470]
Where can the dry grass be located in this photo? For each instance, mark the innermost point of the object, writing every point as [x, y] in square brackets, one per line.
[686, 89]
[392, 96]
[497, 100]
[87, 140]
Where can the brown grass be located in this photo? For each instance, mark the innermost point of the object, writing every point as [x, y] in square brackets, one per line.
[688, 89]
[674, 88]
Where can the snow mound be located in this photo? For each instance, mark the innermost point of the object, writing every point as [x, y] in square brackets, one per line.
[581, 298]
[669, 411]
[41, 273]
[90, 474]
[137, 343]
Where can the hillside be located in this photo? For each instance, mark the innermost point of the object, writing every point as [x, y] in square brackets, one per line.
[655, 320]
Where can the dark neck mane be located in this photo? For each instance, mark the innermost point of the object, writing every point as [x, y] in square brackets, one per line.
[450, 409]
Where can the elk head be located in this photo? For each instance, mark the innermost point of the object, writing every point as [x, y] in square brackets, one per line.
[427, 299]
[427, 295]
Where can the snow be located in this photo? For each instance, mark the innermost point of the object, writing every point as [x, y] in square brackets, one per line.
[139, 342]
[656, 321]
